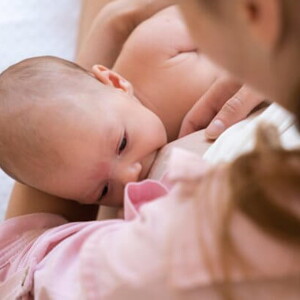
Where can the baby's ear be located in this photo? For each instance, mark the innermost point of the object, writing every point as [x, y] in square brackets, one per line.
[267, 138]
[111, 78]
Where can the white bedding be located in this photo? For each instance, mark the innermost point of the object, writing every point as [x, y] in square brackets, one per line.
[33, 28]
[240, 137]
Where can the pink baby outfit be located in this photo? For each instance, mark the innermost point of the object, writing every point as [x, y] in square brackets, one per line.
[159, 252]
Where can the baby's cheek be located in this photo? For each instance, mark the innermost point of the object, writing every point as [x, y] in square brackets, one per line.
[154, 132]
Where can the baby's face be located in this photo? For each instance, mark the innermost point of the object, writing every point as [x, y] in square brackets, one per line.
[111, 140]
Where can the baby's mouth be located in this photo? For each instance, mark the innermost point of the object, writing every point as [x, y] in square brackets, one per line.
[147, 165]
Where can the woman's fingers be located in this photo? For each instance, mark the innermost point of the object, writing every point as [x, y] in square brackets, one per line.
[204, 110]
[224, 104]
[234, 110]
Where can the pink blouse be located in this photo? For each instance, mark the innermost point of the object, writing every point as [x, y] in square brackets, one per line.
[164, 249]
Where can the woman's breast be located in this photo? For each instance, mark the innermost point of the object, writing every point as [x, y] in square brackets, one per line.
[166, 70]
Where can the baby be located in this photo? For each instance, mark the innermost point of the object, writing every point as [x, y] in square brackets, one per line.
[83, 135]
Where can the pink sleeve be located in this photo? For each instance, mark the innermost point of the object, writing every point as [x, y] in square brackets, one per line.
[27, 241]
[154, 255]
[43, 255]
[88, 262]
[17, 242]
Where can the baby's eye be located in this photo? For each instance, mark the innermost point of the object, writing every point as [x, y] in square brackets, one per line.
[104, 192]
[123, 144]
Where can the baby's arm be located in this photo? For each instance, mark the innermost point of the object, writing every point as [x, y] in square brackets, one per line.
[90, 9]
[26, 200]
[111, 28]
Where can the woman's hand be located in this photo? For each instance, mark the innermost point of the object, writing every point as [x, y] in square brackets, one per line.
[225, 103]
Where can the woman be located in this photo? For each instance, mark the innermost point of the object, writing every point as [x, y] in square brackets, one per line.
[191, 242]
[258, 41]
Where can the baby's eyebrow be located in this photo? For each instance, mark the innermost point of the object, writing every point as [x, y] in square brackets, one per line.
[111, 135]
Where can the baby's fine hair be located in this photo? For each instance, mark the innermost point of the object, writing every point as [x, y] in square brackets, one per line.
[31, 85]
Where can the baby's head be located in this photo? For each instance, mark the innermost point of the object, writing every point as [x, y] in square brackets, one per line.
[74, 134]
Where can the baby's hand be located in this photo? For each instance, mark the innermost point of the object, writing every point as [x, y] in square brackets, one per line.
[108, 213]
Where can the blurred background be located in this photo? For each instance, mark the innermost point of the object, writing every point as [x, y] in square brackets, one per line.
[34, 28]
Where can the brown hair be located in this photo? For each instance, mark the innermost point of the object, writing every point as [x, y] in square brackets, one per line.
[264, 187]
[290, 21]
[262, 179]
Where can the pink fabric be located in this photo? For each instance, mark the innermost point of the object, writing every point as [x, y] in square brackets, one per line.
[25, 241]
[137, 194]
[159, 252]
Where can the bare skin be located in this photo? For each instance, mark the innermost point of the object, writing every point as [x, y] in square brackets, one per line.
[137, 10]
[90, 9]
[196, 143]
[168, 72]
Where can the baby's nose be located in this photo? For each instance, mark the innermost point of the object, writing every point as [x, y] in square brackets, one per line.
[130, 172]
